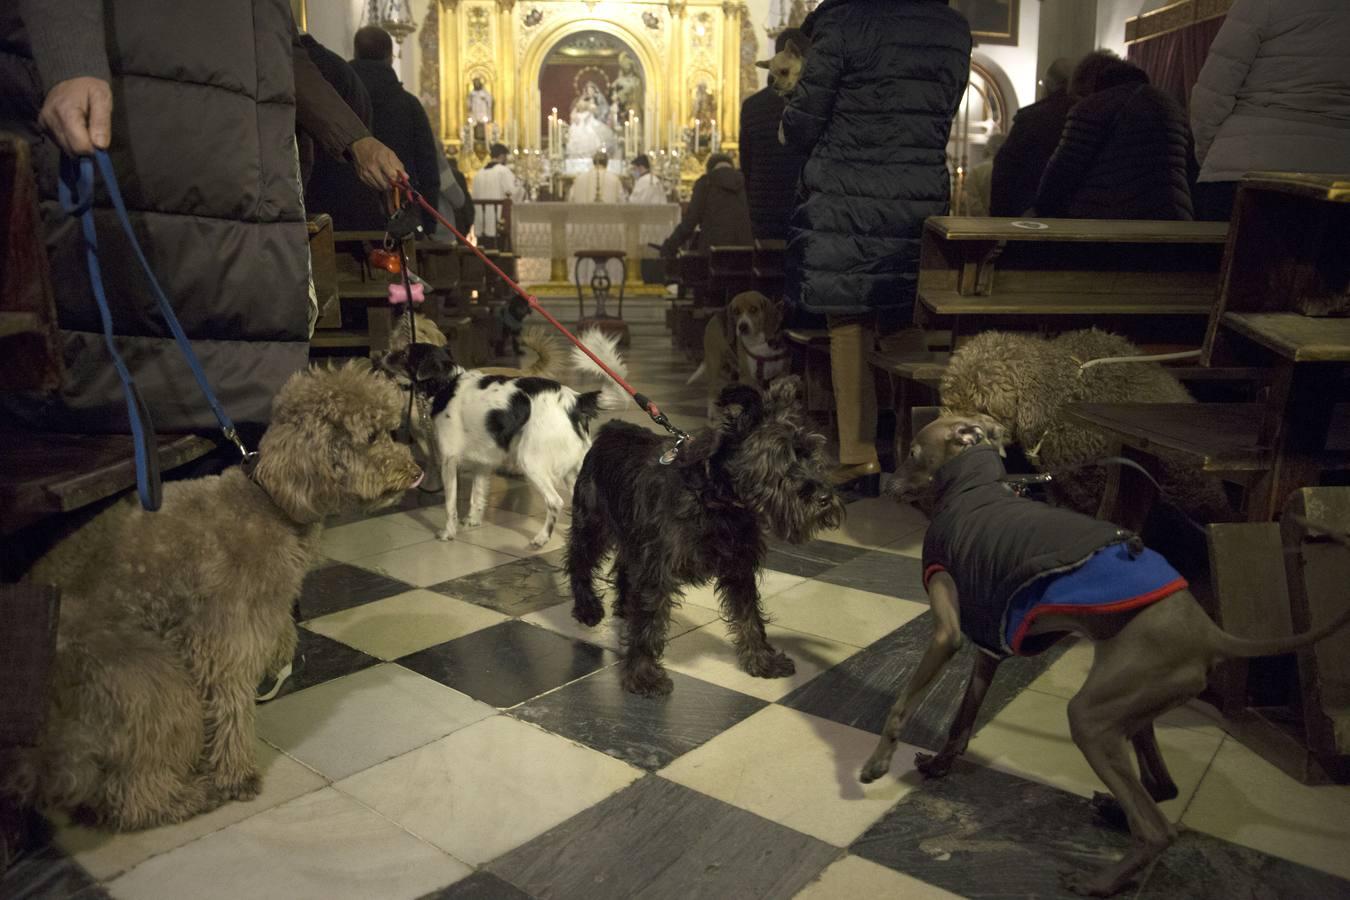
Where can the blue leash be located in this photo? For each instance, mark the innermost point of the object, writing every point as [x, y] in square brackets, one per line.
[77, 199]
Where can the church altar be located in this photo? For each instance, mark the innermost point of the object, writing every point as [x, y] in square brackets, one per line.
[556, 231]
[565, 78]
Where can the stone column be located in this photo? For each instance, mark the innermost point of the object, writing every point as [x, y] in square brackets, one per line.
[504, 110]
[731, 73]
[452, 89]
[678, 91]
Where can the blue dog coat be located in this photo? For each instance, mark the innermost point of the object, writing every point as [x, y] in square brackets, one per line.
[1015, 560]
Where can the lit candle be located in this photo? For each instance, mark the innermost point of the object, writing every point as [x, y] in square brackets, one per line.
[697, 125]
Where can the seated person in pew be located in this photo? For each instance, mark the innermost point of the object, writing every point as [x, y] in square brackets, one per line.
[1126, 151]
[718, 212]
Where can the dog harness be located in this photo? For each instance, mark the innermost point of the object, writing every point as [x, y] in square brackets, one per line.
[1015, 560]
[768, 366]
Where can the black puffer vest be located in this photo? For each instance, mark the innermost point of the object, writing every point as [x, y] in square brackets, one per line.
[993, 544]
[203, 145]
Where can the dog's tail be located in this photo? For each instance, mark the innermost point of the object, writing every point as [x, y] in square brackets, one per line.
[699, 372]
[541, 342]
[606, 347]
[1234, 647]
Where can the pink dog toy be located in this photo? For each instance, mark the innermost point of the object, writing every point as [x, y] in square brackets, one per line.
[398, 294]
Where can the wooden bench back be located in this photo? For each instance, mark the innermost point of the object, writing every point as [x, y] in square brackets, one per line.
[28, 330]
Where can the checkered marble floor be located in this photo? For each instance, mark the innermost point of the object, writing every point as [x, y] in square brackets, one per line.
[451, 732]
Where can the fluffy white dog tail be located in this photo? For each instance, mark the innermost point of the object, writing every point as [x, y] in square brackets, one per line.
[547, 352]
[606, 347]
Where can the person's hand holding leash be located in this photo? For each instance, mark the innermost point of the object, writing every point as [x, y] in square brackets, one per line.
[78, 115]
[376, 165]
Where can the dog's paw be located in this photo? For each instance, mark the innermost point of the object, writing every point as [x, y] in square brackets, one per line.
[1109, 810]
[879, 764]
[655, 683]
[446, 534]
[589, 615]
[932, 765]
[242, 788]
[539, 540]
[1084, 884]
[774, 664]
[471, 522]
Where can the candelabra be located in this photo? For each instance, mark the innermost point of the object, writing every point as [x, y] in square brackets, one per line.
[394, 16]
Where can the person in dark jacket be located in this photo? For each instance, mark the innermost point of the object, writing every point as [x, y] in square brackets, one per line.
[199, 125]
[399, 119]
[873, 109]
[1126, 151]
[331, 185]
[771, 168]
[1031, 142]
[718, 214]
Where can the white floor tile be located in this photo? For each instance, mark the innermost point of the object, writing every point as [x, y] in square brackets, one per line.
[1030, 737]
[423, 565]
[1248, 801]
[855, 877]
[842, 614]
[490, 787]
[771, 582]
[876, 522]
[379, 535]
[351, 723]
[795, 769]
[709, 653]
[322, 845]
[106, 854]
[405, 623]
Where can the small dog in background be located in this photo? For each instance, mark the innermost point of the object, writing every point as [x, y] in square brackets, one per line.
[785, 67]
[169, 619]
[532, 425]
[1015, 576]
[742, 343]
[425, 332]
[705, 516]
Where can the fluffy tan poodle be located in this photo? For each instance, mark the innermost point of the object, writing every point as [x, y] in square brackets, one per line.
[170, 619]
[1025, 381]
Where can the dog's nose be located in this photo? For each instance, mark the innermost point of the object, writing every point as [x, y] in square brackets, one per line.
[743, 328]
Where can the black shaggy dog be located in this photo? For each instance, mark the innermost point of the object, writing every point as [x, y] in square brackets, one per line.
[756, 472]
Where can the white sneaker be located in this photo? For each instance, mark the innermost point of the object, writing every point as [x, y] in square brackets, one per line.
[271, 686]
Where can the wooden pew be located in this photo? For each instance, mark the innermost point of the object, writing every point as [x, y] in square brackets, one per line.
[768, 271]
[730, 272]
[1285, 257]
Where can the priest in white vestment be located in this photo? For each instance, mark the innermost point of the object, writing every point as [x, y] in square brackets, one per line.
[647, 188]
[599, 185]
[495, 182]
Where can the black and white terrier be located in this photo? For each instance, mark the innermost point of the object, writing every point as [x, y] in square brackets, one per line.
[757, 472]
[484, 422]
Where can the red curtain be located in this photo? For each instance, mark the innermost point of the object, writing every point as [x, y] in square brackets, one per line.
[1173, 60]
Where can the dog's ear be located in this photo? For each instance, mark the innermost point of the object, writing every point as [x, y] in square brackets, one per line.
[762, 64]
[740, 408]
[700, 448]
[433, 362]
[296, 469]
[980, 430]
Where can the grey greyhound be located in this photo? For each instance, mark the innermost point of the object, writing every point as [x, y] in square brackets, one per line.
[985, 553]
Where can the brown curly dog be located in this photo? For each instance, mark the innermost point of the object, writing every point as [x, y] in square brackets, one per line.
[170, 619]
[1024, 382]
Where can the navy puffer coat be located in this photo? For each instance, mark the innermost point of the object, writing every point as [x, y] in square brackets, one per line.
[874, 109]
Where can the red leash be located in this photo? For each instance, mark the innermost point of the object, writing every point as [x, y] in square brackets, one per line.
[645, 404]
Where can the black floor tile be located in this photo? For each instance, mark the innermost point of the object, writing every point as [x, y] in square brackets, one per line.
[881, 573]
[342, 586]
[508, 663]
[957, 832]
[981, 833]
[809, 559]
[861, 690]
[515, 588]
[647, 732]
[45, 872]
[656, 839]
[319, 659]
[479, 886]
[1202, 867]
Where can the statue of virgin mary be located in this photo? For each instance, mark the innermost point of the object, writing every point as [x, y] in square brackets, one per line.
[589, 132]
